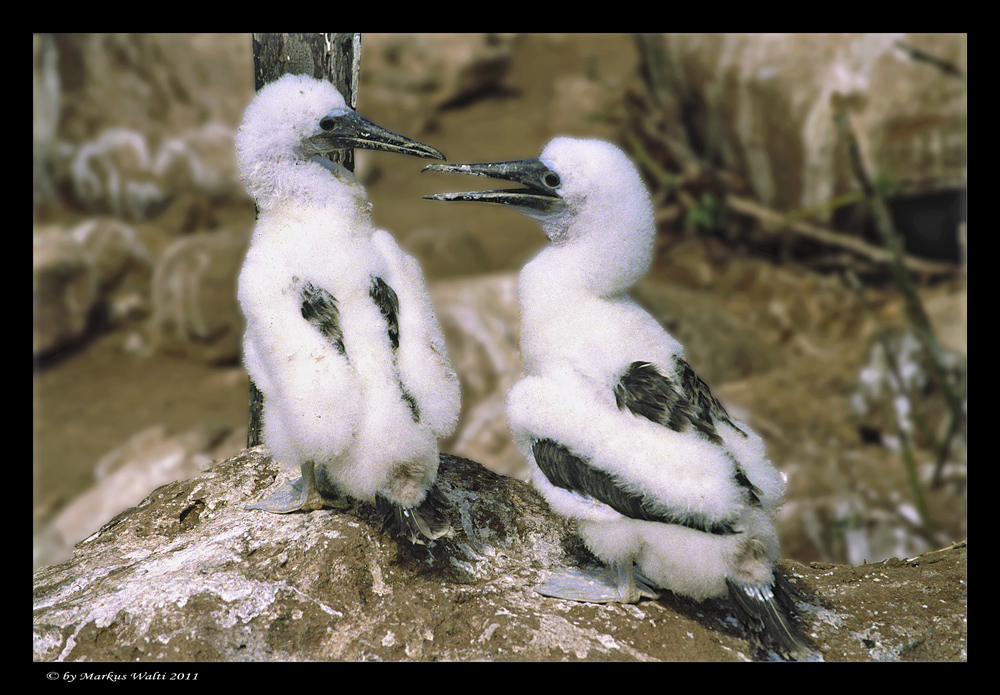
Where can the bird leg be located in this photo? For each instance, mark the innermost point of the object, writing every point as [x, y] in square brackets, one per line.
[291, 496]
[616, 584]
[633, 589]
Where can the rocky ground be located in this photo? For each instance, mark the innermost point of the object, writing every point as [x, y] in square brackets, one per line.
[191, 575]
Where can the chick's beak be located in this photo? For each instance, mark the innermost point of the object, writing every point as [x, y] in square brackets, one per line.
[541, 192]
[345, 129]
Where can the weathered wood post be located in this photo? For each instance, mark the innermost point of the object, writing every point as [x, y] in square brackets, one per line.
[332, 57]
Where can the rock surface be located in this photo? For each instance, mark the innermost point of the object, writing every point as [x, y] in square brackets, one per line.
[762, 104]
[479, 318]
[417, 74]
[196, 314]
[189, 574]
[126, 476]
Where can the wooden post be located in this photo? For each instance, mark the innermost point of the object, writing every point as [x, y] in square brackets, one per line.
[332, 57]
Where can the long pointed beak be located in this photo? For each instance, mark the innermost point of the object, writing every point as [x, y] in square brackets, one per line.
[345, 129]
[541, 184]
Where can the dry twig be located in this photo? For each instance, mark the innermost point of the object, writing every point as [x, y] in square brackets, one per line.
[774, 222]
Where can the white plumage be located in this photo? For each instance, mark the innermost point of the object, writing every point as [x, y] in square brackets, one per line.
[341, 338]
[619, 432]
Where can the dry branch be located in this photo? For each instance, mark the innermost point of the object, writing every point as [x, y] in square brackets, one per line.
[773, 221]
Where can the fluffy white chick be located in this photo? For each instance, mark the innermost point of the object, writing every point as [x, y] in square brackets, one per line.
[619, 432]
[341, 338]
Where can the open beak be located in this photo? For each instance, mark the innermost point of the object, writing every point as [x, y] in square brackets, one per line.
[541, 184]
[344, 129]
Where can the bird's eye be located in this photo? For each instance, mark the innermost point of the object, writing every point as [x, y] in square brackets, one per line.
[326, 124]
[551, 180]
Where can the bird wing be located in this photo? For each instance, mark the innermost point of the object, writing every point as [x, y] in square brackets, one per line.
[319, 308]
[680, 475]
[387, 301]
[294, 351]
[422, 358]
[675, 403]
[571, 472]
[678, 403]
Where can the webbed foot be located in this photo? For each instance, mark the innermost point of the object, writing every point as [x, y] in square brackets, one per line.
[301, 494]
[603, 585]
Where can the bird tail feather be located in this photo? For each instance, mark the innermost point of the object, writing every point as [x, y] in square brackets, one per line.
[419, 524]
[767, 612]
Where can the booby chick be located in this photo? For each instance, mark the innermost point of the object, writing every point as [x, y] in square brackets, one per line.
[619, 432]
[341, 338]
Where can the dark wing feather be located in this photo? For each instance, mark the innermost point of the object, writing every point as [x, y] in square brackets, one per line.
[411, 403]
[753, 492]
[570, 472]
[388, 303]
[320, 309]
[706, 406]
[649, 394]
[676, 404]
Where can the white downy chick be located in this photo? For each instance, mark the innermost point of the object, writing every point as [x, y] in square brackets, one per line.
[341, 338]
[619, 432]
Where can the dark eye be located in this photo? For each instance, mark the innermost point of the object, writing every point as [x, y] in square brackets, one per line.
[551, 180]
[327, 123]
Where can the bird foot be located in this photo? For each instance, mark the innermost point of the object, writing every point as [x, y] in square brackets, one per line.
[604, 585]
[289, 496]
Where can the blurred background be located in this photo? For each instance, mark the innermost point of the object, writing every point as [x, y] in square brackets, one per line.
[769, 266]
